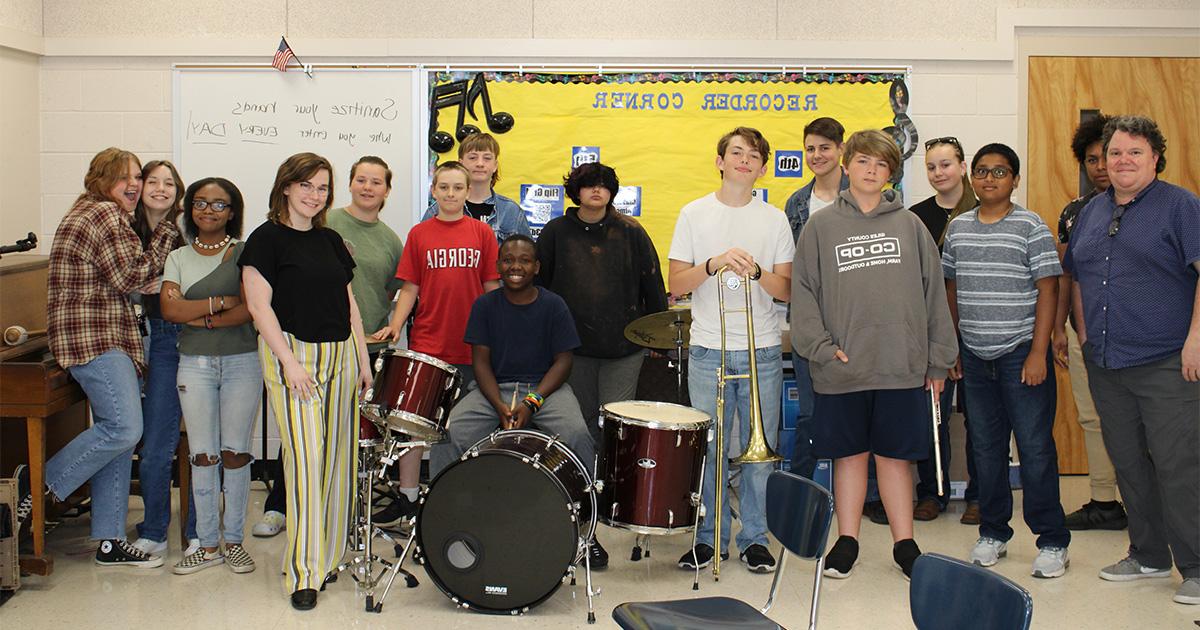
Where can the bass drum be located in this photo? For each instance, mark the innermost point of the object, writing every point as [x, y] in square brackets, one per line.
[500, 529]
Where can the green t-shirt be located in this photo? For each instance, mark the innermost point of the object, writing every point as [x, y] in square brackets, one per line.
[376, 250]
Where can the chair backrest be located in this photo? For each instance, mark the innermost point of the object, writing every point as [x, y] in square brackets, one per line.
[799, 512]
[949, 593]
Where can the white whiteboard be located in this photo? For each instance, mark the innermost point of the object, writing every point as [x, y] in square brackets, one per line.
[242, 123]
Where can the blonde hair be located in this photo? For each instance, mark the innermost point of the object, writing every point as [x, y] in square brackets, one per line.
[298, 168]
[481, 142]
[106, 169]
[874, 143]
[452, 165]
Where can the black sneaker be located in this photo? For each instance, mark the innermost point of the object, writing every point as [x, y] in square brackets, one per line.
[698, 557]
[597, 556]
[24, 495]
[398, 511]
[905, 554]
[1097, 515]
[874, 510]
[758, 559]
[840, 560]
[119, 553]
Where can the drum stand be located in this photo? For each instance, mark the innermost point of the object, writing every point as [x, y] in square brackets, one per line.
[373, 465]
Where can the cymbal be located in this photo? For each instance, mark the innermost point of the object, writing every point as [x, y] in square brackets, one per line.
[661, 331]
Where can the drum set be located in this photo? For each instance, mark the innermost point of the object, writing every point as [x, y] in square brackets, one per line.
[502, 528]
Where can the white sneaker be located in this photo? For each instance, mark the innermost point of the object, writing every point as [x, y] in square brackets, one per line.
[988, 551]
[271, 524]
[150, 547]
[1051, 562]
[193, 547]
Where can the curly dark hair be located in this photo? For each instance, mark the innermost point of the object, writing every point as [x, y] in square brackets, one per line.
[1088, 132]
[592, 174]
[1141, 126]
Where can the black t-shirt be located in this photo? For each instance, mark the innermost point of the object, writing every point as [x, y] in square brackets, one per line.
[308, 272]
[523, 338]
[480, 211]
[1066, 220]
[935, 218]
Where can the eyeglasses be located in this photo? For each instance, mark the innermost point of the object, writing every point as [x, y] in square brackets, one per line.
[997, 172]
[215, 206]
[1115, 226]
[929, 144]
[320, 190]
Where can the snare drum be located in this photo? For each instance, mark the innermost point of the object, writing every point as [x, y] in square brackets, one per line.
[651, 465]
[500, 528]
[412, 394]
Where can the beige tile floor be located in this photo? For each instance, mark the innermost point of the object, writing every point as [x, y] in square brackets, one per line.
[81, 595]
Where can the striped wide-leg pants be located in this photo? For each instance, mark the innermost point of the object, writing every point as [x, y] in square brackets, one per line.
[320, 437]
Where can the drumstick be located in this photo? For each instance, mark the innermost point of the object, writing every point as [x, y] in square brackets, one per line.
[512, 407]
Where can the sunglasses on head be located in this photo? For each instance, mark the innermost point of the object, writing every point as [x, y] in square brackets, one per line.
[929, 144]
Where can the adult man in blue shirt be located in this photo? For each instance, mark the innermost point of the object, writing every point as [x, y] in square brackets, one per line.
[1135, 253]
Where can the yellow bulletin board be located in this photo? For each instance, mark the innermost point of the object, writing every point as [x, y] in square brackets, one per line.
[659, 131]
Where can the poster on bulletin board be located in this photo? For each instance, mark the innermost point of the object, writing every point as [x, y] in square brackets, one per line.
[659, 131]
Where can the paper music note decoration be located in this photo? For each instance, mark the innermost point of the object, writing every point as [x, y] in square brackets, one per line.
[463, 94]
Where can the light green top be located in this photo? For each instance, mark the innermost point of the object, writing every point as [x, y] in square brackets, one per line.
[376, 250]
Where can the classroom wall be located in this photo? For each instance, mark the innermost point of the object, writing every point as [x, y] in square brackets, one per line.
[20, 195]
[105, 65]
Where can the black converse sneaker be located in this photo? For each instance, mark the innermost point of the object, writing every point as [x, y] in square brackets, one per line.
[119, 553]
[238, 560]
[24, 495]
[840, 560]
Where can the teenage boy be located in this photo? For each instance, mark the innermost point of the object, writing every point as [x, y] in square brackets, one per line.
[1001, 273]
[606, 269]
[480, 154]
[449, 261]
[870, 315]
[732, 228]
[823, 156]
[522, 338]
[1103, 511]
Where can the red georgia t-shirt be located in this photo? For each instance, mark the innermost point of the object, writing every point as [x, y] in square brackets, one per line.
[449, 261]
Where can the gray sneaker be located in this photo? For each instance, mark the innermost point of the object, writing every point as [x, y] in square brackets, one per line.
[1129, 569]
[988, 551]
[1051, 562]
[1189, 592]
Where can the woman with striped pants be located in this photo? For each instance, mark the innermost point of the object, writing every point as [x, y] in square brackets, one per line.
[296, 273]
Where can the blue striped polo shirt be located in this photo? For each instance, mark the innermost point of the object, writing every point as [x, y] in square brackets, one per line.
[996, 268]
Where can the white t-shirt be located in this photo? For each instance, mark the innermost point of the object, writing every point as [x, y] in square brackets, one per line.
[707, 228]
[816, 203]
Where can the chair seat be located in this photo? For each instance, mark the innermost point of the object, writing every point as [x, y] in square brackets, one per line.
[692, 614]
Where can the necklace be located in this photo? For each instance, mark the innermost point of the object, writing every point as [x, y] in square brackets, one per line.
[214, 246]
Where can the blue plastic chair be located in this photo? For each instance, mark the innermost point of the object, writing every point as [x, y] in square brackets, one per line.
[947, 593]
[799, 512]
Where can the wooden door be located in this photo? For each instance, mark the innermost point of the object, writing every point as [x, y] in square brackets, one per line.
[1060, 89]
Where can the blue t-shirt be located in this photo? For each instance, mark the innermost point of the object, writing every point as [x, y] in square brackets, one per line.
[523, 338]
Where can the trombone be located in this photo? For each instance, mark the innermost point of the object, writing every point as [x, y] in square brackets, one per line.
[757, 450]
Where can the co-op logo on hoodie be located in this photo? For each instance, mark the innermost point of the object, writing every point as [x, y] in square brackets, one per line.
[867, 251]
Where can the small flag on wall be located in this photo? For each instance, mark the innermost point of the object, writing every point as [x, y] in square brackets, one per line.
[283, 55]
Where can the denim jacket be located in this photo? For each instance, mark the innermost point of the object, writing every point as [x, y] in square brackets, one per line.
[508, 219]
[796, 207]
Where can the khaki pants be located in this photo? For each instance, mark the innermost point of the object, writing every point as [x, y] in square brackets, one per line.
[1100, 469]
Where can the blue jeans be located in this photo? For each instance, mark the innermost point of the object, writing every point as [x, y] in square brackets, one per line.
[803, 461]
[160, 431]
[1000, 406]
[702, 387]
[103, 454]
[220, 396]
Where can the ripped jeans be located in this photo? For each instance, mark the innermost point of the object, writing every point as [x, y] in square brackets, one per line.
[219, 396]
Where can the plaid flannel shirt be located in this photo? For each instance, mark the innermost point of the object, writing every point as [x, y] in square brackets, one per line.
[96, 261]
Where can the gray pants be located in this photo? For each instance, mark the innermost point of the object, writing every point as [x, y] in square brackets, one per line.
[1150, 418]
[597, 382]
[473, 419]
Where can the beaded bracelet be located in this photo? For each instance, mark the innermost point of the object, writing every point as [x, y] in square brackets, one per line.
[535, 399]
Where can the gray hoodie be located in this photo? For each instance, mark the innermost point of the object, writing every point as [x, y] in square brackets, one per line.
[871, 285]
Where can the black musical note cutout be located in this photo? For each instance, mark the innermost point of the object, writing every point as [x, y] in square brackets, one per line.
[463, 93]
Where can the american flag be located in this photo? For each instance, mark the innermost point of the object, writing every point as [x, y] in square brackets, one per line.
[283, 55]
